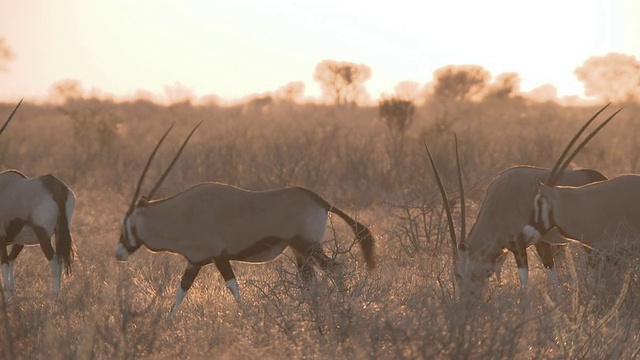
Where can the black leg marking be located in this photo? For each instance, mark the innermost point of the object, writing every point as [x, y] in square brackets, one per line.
[189, 276]
[312, 250]
[45, 242]
[519, 250]
[15, 226]
[4, 258]
[15, 250]
[546, 254]
[224, 266]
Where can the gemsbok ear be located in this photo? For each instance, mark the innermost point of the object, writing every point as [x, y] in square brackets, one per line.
[143, 202]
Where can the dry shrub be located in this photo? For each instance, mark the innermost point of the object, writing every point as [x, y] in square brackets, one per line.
[407, 308]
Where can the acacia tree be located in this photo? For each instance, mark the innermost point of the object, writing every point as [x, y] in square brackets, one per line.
[612, 77]
[459, 83]
[342, 82]
[5, 54]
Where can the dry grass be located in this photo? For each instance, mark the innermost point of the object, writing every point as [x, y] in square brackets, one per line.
[406, 308]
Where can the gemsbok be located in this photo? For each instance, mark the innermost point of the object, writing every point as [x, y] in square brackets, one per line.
[605, 216]
[507, 207]
[45, 204]
[218, 223]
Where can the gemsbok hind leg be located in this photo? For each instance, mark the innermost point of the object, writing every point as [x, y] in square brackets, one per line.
[224, 266]
[44, 239]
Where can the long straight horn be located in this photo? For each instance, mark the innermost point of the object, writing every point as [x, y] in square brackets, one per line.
[552, 177]
[175, 158]
[463, 208]
[146, 168]
[10, 117]
[582, 144]
[447, 207]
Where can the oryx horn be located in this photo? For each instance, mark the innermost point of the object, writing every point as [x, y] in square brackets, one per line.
[463, 208]
[445, 200]
[561, 164]
[175, 158]
[10, 117]
[146, 168]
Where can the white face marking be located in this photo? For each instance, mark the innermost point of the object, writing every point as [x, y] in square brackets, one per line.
[545, 213]
[121, 252]
[128, 229]
[531, 235]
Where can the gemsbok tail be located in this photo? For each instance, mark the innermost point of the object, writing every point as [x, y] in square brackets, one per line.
[363, 234]
[64, 248]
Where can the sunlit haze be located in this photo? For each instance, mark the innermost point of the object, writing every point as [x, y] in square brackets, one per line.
[233, 49]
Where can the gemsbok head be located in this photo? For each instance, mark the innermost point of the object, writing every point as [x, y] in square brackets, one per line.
[506, 208]
[218, 223]
[45, 204]
[605, 215]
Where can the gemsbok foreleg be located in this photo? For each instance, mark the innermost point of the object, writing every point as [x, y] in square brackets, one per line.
[12, 230]
[185, 284]
[545, 251]
[519, 250]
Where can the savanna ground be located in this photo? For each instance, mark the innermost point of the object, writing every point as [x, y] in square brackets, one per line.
[406, 308]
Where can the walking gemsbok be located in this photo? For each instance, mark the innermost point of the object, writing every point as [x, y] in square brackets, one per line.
[45, 204]
[605, 215]
[506, 208]
[218, 223]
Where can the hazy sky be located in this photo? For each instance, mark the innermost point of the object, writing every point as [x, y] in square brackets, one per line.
[236, 48]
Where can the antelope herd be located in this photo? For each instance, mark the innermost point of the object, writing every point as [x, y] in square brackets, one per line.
[218, 223]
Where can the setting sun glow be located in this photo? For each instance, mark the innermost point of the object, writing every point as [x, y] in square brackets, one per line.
[233, 49]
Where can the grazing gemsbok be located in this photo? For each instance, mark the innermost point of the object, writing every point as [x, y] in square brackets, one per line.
[45, 204]
[216, 223]
[507, 207]
[605, 215]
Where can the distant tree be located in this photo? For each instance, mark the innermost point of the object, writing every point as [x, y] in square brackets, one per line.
[342, 82]
[65, 90]
[6, 54]
[543, 93]
[504, 86]
[397, 114]
[178, 94]
[408, 90]
[612, 77]
[293, 91]
[459, 83]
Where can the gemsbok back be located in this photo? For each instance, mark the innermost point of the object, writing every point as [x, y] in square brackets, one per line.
[218, 223]
[45, 204]
[507, 207]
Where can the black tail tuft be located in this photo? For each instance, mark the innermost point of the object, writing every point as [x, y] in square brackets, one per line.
[64, 243]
